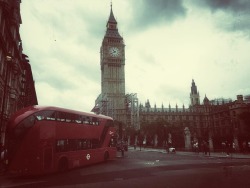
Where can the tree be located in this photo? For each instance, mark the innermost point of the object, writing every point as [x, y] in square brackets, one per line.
[245, 116]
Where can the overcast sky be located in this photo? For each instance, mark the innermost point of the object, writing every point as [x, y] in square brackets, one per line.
[168, 43]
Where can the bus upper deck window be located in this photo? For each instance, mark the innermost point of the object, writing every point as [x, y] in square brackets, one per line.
[45, 115]
[76, 118]
[95, 121]
[68, 117]
[60, 116]
[86, 120]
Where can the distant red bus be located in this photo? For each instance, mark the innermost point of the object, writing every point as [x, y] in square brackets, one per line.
[43, 140]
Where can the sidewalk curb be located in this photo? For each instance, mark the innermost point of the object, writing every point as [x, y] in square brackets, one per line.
[190, 153]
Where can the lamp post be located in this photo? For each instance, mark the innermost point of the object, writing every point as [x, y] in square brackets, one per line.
[8, 60]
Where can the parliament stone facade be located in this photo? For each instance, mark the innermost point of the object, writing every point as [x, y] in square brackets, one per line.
[208, 121]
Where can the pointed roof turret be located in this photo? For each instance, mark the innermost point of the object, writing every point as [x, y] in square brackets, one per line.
[112, 30]
[111, 16]
[206, 100]
[193, 88]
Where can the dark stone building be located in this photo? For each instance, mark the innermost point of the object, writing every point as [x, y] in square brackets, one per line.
[17, 88]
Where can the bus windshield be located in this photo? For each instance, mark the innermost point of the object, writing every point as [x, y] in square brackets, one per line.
[23, 126]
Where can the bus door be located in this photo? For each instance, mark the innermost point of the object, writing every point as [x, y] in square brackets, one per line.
[47, 158]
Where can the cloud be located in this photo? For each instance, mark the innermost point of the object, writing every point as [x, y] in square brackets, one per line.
[147, 12]
[168, 43]
[232, 15]
[226, 5]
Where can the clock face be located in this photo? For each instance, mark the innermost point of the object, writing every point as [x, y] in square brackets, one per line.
[114, 52]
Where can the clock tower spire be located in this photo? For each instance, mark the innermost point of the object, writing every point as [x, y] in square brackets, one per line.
[194, 95]
[111, 26]
[111, 102]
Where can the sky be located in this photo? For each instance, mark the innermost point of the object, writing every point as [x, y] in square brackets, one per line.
[168, 43]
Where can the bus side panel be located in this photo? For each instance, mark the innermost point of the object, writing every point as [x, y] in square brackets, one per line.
[48, 159]
[47, 145]
[71, 131]
[85, 157]
[26, 160]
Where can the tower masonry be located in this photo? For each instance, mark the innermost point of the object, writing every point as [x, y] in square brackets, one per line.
[194, 95]
[111, 101]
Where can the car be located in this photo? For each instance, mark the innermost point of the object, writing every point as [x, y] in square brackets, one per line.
[171, 150]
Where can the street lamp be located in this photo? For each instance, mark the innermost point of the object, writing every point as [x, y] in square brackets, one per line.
[8, 60]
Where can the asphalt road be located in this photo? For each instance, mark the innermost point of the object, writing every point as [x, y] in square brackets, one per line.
[144, 169]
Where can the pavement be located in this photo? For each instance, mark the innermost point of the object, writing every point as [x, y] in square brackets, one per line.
[188, 153]
[234, 155]
[5, 182]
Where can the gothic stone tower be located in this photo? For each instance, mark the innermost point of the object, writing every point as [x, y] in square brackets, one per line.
[194, 95]
[112, 62]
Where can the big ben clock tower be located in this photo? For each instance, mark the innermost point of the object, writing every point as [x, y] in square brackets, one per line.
[112, 60]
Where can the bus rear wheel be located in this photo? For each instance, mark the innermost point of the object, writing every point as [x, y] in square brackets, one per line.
[106, 156]
[63, 165]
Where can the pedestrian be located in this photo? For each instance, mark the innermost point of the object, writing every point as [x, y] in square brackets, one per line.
[3, 160]
[208, 148]
[205, 146]
[167, 148]
[144, 144]
[227, 148]
[196, 147]
[223, 146]
[202, 147]
[248, 146]
[244, 146]
[122, 149]
[234, 147]
[1, 151]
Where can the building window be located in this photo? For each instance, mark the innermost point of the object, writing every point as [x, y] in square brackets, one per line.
[234, 113]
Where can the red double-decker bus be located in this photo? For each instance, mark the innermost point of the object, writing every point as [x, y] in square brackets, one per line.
[48, 139]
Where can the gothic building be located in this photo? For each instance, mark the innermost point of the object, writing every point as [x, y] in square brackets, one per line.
[212, 121]
[194, 95]
[17, 88]
[111, 101]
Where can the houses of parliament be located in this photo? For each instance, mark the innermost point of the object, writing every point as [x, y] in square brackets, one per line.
[212, 121]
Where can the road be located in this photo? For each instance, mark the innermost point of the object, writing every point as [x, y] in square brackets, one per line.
[148, 169]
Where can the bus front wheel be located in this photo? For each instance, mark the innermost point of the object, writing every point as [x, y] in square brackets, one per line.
[63, 165]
